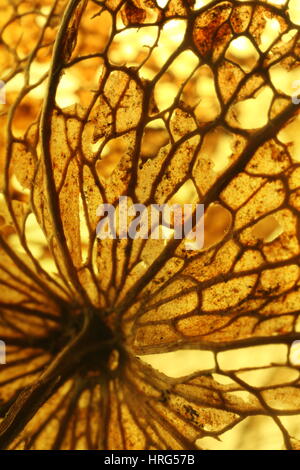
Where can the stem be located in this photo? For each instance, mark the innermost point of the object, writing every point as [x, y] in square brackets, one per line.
[61, 45]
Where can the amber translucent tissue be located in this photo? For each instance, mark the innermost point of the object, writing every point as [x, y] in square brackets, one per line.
[143, 344]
